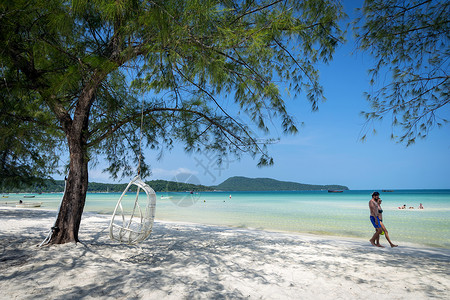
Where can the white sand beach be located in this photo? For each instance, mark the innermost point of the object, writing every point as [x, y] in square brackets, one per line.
[194, 261]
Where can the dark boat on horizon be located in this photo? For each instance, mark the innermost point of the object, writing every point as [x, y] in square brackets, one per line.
[334, 191]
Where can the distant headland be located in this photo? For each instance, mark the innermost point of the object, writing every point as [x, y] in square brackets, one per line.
[236, 183]
[239, 183]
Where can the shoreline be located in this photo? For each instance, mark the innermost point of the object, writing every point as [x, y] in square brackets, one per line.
[183, 260]
[326, 235]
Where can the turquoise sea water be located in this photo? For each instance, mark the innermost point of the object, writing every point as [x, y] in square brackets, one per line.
[339, 214]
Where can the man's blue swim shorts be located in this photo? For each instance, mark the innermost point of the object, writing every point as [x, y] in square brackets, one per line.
[372, 219]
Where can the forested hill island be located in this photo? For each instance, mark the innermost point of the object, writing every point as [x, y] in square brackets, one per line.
[237, 183]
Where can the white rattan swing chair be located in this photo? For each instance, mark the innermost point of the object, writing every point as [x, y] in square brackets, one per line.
[133, 224]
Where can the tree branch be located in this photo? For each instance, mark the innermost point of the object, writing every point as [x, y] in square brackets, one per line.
[256, 10]
[218, 105]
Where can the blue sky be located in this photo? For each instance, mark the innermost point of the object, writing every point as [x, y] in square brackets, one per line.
[327, 150]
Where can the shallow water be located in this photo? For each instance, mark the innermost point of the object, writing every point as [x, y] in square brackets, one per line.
[340, 214]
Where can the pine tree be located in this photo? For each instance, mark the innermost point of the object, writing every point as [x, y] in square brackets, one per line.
[410, 43]
[81, 70]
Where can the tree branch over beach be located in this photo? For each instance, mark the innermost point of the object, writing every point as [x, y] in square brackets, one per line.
[410, 42]
[84, 68]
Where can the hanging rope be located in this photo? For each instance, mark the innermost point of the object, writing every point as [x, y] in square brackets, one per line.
[140, 138]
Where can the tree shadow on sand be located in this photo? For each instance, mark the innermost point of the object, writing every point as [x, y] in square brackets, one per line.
[198, 261]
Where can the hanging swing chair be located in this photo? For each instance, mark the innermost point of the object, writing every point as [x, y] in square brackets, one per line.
[132, 225]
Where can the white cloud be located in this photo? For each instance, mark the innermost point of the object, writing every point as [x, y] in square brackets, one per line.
[97, 175]
[103, 177]
[159, 173]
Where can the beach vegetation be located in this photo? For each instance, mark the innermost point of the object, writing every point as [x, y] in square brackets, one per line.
[236, 183]
[57, 186]
[409, 41]
[99, 79]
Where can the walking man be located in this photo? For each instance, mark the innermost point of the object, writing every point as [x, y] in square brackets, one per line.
[373, 206]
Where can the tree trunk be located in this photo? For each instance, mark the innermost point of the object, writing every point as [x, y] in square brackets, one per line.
[77, 131]
[69, 218]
